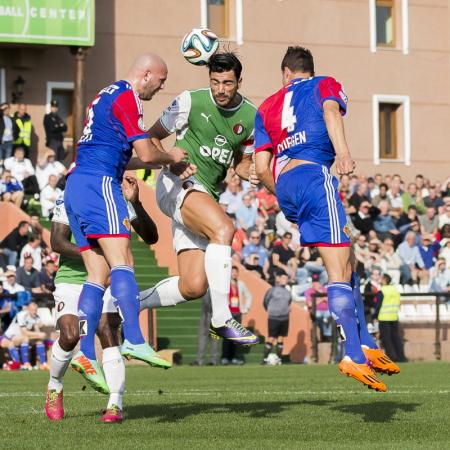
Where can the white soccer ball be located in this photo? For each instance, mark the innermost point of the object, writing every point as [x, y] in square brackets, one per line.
[273, 360]
[199, 45]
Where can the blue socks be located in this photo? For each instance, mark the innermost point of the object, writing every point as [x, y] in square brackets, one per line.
[14, 354]
[125, 293]
[25, 353]
[364, 335]
[40, 350]
[342, 307]
[90, 307]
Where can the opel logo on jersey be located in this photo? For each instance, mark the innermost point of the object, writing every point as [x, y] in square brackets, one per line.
[238, 129]
[220, 140]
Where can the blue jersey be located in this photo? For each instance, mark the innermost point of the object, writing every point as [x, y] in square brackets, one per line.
[290, 122]
[113, 122]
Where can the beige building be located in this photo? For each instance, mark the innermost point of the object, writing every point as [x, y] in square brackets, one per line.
[392, 56]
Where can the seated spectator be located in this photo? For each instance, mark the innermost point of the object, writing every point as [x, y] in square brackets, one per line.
[246, 214]
[311, 264]
[390, 261]
[47, 277]
[433, 199]
[445, 251]
[412, 268]
[5, 308]
[22, 170]
[11, 284]
[232, 197]
[420, 183]
[251, 262]
[48, 165]
[373, 188]
[363, 220]
[361, 250]
[28, 276]
[33, 249]
[321, 314]
[444, 218]
[428, 248]
[49, 195]
[359, 196]
[13, 243]
[255, 247]
[440, 276]
[267, 206]
[429, 222]
[11, 190]
[444, 232]
[284, 226]
[382, 196]
[413, 197]
[395, 197]
[374, 258]
[283, 258]
[384, 223]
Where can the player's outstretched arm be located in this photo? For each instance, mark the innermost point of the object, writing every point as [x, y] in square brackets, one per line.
[147, 152]
[262, 168]
[335, 126]
[142, 224]
[60, 241]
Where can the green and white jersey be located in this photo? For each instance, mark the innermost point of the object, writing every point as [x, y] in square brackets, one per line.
[211, 135]
[71, 270]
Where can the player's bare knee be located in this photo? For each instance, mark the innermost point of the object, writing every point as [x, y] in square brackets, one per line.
[224, 233]
[195, 288]
[69, 339]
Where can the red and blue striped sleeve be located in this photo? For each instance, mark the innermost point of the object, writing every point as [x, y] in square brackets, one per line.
[330, 89]
[262, 139]
[127, 109]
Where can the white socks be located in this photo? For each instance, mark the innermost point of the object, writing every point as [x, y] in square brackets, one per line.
[218, 273]
[165, 293]
[58, 365]
[114, 369]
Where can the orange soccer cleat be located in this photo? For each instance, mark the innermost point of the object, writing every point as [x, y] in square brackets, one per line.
[362, 373]
[379, 361]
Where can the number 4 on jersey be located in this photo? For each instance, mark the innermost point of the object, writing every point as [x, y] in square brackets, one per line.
[288, 119]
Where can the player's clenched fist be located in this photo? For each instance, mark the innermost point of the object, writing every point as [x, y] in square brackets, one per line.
[178, 154]
[345, 165]
[184, 170]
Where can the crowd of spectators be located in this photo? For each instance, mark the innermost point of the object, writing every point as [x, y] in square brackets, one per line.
[400, 227]
[34, 187]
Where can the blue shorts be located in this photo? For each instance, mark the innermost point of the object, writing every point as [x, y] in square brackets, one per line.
[95, 208]
[308, 196]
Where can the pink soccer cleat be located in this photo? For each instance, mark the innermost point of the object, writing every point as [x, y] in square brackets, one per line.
[112, 415]
[54, 407]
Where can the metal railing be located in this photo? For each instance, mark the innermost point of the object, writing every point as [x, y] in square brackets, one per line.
[440, 299]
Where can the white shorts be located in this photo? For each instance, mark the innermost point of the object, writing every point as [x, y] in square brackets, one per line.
[170, 195]
[66, 300]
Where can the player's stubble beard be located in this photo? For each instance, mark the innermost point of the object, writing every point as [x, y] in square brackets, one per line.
[226, 100]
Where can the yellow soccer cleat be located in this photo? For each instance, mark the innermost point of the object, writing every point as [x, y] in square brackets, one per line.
[362, 373]
[379, 361]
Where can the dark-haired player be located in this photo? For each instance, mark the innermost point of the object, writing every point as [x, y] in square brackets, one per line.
[215, 127]
[301, 128]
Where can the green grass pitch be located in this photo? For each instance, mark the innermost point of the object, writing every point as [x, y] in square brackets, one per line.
[249, 407]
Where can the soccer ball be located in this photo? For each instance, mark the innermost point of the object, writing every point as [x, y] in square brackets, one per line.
[273, 360]
[199, 45]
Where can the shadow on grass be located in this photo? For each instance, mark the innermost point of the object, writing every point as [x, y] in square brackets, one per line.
[377, 412]
[177, 412]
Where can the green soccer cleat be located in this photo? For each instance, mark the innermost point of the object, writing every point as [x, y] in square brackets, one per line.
[91, 371]
[143, 352]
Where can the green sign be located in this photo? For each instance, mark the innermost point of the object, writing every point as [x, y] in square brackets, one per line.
[61, 22]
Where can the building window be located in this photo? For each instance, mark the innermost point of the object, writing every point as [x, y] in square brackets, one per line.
[223, 17]
[388, 130]
[385, 22]
[389, 28]
[218, 17]
[391, 129]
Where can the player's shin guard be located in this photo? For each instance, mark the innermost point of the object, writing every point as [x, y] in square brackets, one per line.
[14, 354]
[218, 273]
[60, 360]
[25, 353]
[42, 355]
[90, 307]
[165, 293]
[364, 335]
[125, 292]
[342, 308]
[114, 370]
